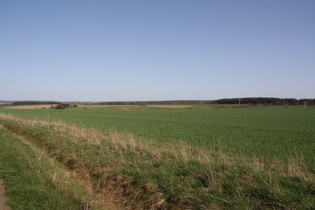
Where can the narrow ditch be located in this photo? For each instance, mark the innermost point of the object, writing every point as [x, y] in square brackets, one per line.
[97, 200]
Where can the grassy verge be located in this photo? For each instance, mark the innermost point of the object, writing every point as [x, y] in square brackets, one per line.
[35, 181]
[152, 174]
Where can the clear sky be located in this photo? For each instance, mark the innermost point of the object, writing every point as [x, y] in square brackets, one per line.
[112, 50]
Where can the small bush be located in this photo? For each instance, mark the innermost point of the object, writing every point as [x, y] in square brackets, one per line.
[62, 106]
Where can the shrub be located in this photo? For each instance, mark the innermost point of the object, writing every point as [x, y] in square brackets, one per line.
[62, 106]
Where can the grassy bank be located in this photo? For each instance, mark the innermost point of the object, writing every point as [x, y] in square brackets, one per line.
[33, 180]
[150, 173]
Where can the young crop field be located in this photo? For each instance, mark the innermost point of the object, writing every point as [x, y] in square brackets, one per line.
[168, 157]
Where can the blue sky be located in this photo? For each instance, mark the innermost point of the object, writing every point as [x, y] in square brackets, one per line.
[156, 50]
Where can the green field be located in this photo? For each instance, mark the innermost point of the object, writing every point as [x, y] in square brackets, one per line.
[198, 157]
[275, 132]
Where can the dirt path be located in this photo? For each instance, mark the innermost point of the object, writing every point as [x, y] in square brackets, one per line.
[3, 198]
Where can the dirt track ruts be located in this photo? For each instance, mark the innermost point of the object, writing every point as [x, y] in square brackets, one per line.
[3, 197]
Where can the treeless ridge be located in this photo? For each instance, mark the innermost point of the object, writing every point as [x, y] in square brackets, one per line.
[172, 106]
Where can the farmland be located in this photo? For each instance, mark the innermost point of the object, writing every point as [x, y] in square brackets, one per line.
[197, 156]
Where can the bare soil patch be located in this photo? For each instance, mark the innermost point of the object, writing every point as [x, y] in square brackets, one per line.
[40, 106]
[3, 197]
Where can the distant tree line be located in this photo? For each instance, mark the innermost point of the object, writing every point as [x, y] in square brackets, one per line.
[35, 102]
[251, 100]
[266, 101]
[54, 104]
